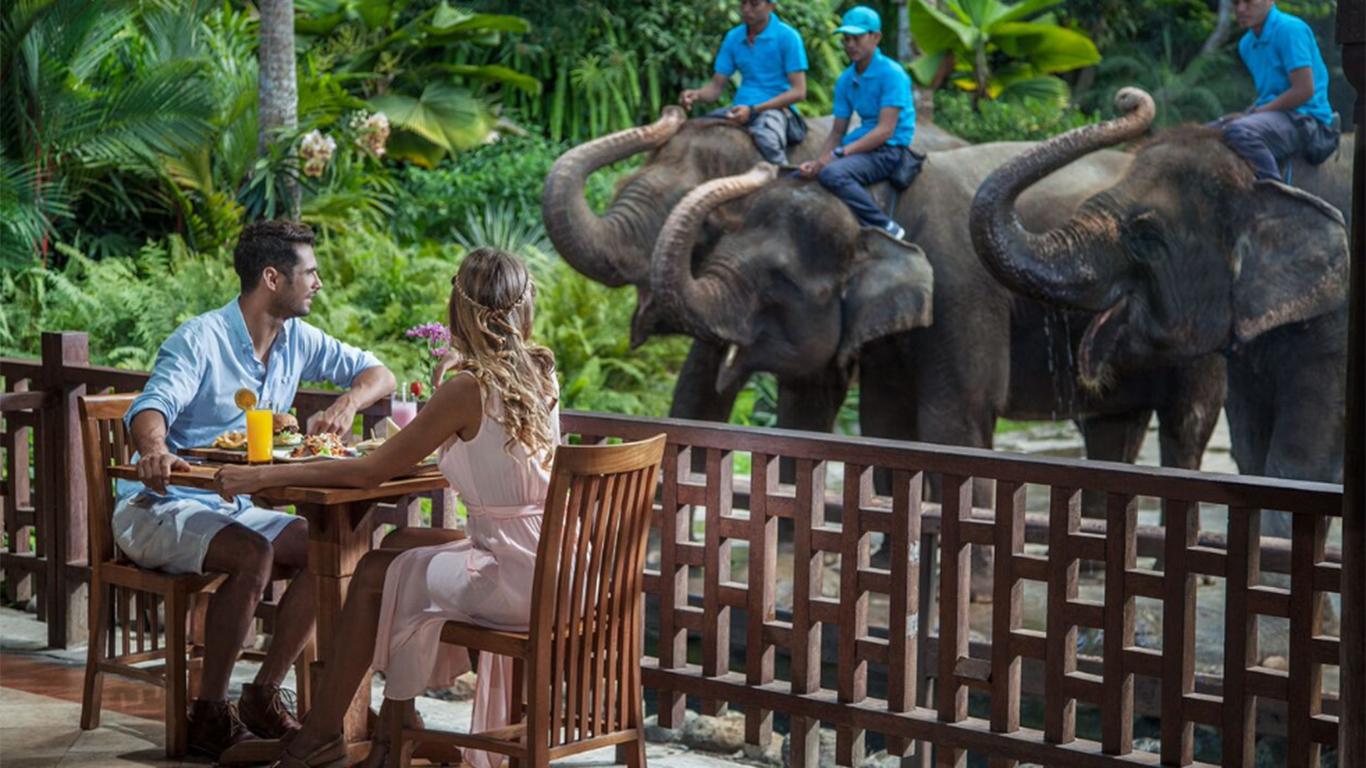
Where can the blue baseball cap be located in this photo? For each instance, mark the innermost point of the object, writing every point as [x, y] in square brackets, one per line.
[860, 20]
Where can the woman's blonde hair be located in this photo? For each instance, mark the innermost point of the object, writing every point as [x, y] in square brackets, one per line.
[492, 304]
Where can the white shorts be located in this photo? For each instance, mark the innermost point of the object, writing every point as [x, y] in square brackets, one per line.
[172, 534]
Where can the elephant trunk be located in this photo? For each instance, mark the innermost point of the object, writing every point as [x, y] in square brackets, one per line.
[696, 304]
[607, 249]
[1068, 265]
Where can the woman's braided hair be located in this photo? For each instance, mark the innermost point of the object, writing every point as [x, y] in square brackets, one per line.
[492, 304]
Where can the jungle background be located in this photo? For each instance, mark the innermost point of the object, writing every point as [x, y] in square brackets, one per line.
[129, 152]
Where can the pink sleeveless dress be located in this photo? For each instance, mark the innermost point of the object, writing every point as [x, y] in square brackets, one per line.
[483, 579]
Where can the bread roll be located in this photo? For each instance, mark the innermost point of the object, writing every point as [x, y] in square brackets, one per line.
[284, 422]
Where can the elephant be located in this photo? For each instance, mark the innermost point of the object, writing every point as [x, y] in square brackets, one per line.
[987, 353]
[1185, 255]
[796, 288]
[614, 248]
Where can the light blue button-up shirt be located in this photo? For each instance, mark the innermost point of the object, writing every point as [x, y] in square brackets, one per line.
[764, 64]
[209, 357]
[1286, 44]
[883, 84]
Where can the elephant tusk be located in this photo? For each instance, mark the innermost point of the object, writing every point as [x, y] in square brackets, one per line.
[728, 373]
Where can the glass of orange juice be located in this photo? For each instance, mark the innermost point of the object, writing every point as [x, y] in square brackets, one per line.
[260, 435]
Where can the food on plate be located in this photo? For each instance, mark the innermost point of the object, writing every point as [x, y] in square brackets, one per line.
[286, 429]
[232, 441]
[325, 444]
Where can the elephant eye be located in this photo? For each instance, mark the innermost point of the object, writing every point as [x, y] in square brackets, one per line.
[1144, 239]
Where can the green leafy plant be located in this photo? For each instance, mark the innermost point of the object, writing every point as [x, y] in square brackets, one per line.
[92, 100]
[413, 62]
[438, 203]
[1207, 87]
[500, 226]
[1026, 119]
[997, 50]
[587, 326]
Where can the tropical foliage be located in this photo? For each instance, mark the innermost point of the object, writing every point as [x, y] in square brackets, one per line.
[136, 119]
[610, 64]
[409, 60]
[1027, 119]
[1207, 87]
[995, 49]
[129, 161]
[94, 99]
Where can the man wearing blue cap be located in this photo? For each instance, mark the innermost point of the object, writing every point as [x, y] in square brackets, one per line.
[878, 89]
[771, 60]
[1291, 114]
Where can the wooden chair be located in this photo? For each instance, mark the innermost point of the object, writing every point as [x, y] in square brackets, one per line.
[120, 590]
[585, 641]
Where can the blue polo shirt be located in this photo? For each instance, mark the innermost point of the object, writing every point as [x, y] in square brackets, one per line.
[209, 357]
[763, 65]
[883, 84]
[1286, 44]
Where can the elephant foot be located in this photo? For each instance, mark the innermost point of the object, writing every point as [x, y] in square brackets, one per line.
[981, 592]
[882, 558]
[983, 565]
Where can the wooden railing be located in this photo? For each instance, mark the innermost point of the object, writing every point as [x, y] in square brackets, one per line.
[42, 493]
[889, 650]
[910, 650]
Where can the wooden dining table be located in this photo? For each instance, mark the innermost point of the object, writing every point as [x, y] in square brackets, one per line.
[340, 531]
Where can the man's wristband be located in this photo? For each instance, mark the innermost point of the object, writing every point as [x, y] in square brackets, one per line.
[838, 152]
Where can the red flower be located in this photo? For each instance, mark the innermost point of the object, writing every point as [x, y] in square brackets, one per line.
[415, 388]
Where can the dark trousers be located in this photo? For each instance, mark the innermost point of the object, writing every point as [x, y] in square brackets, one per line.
[849, 178]
[1264, 140]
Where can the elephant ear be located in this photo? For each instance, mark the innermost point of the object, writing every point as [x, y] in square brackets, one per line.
[889, 289]
[1291, 260]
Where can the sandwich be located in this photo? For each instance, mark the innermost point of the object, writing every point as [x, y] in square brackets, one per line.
[287, 430]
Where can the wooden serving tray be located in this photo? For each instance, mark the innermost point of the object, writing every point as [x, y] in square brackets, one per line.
[218, 455]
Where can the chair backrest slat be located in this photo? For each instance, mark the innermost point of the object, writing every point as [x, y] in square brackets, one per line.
[586, 604]
[105, 442]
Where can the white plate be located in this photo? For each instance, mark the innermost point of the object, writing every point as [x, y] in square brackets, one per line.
[282, 454]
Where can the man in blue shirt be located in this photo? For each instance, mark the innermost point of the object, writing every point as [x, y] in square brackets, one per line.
[256, 342]
[771, 60]
[1291, 115]
[878, 89]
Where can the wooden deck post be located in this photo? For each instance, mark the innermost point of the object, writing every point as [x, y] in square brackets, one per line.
[63, 494]
[16, 508]
[1351, 34]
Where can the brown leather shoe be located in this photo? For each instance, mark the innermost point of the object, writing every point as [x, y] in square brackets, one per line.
[215, 726]
[264, 711]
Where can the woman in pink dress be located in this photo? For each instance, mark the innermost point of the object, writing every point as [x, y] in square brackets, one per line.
[497, 425]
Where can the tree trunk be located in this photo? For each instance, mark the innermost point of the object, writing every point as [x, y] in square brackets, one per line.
[903, 31]
[1222, 29]
[279, 90]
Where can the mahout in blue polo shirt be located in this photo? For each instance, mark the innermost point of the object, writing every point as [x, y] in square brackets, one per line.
[764, 65]
[1285, 44]
[883, 84]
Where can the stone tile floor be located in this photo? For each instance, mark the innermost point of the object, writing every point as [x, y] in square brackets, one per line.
[40, 694]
